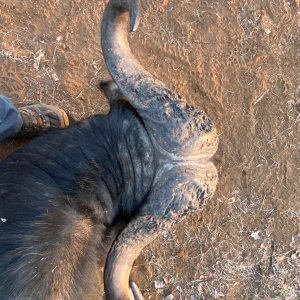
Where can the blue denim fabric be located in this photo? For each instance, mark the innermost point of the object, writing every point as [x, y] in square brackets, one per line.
[10, 119]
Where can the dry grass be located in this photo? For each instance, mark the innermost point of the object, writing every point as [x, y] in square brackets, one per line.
[239, 257]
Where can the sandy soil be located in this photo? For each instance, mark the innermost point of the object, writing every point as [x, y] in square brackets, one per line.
[240, 62]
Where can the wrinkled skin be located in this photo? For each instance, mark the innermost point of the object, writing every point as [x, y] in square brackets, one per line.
[147, 162]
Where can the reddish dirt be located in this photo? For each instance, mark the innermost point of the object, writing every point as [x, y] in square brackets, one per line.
[237, 60]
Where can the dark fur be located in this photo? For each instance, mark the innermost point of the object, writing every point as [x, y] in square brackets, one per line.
[57, 196]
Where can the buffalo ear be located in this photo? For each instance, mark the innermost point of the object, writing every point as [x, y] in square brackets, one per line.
[111, 91]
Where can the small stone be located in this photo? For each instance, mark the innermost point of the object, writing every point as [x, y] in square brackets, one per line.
[54, 77]
[59, 39]
[218, 295]
[294, 256]
[255, 235]
[159, 284]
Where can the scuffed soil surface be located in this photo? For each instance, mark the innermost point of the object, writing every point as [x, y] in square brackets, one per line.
[240, 62]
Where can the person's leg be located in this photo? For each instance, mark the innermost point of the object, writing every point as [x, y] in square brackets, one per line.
[30, 120]
[10, 119]
[39, 118]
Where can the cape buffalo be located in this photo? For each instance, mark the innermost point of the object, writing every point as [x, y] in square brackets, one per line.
[146, 162]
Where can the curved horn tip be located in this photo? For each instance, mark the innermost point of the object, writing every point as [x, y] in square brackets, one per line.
[137, 294]
[135, 14]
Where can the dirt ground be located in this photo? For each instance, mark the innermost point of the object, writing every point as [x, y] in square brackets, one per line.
[237, 60]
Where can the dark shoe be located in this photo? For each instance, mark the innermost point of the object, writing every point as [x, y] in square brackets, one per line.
[39, 118]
